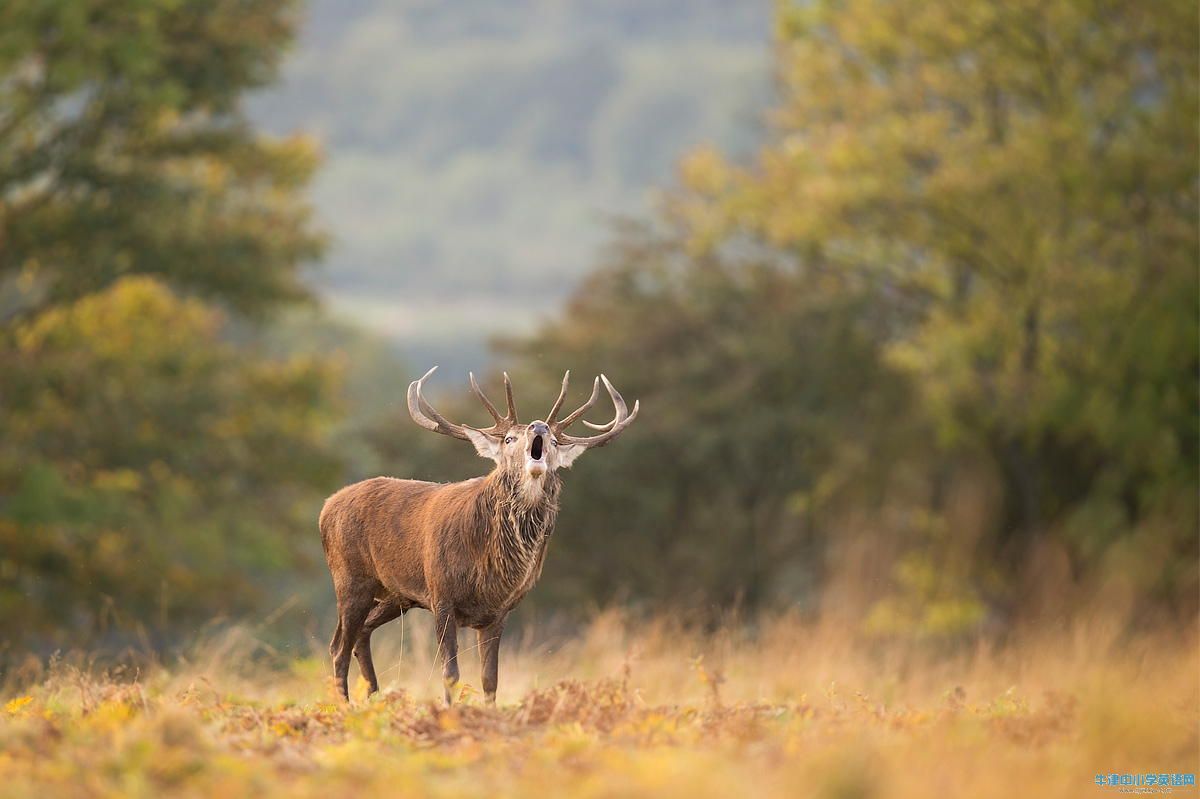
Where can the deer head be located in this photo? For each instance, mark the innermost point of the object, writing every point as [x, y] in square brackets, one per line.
[530, 450]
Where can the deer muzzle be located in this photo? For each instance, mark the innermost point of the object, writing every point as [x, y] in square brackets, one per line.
[535, 462]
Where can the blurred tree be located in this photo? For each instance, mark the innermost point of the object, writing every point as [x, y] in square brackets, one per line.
[763, 389]
[123, 150]
[988, 207]
[149, 470]
[157, 458]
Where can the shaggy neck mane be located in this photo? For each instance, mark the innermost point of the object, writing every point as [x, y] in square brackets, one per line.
[518, 516]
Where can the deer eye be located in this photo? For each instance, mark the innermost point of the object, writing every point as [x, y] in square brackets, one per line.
[509, 440]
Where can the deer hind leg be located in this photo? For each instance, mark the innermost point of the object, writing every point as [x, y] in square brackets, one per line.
[385, 610]
[353, 609]
[447, 646]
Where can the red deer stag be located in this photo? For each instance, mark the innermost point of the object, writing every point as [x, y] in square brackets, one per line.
[466, 551]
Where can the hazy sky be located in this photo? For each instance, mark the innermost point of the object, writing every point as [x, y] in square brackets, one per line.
[477, 151]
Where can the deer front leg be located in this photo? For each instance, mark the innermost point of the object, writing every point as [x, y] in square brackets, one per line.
[447, 646]
[489, 658]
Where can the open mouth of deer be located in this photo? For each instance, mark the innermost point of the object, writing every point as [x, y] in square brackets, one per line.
[535, 449]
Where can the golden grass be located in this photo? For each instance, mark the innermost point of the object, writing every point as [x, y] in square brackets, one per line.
[624, 709]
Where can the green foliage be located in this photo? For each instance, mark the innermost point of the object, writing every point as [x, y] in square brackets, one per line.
[123, 150]
[749, 375]
[966, 266]
[149, 466]
[157, 463]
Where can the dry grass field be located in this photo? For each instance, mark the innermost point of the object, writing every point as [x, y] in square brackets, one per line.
[623, 709]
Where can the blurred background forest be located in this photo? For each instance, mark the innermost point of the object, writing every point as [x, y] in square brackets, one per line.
[908, 292]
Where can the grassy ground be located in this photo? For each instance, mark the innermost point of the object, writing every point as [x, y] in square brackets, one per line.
[622, 710]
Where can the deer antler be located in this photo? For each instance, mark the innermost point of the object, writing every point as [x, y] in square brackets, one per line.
[502, 422]
[428, 417]
[609, 431]
[557, 426]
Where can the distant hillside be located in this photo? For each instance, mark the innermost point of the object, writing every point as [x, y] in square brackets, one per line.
[477, 150]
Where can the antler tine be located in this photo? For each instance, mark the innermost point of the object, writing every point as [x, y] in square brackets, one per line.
[622, 420]
[512, 406]
[562, 395]
[487, 403]
[581, 410]
[603, 428]
[426, 415]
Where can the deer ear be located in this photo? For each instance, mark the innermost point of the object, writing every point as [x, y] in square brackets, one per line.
[485, 445]
[567, 453]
